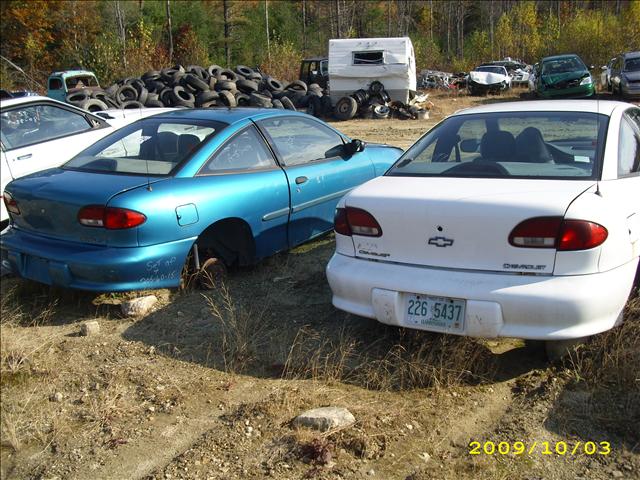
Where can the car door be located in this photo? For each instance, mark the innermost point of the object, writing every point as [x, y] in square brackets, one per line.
[319, 173]
[37, 136]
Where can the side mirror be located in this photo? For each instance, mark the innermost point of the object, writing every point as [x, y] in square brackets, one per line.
[354, 147]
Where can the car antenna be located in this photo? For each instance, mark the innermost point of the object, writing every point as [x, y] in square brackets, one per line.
[597, 135]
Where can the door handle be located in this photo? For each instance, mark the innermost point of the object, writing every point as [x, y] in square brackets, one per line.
[24, 157]
[301, 180]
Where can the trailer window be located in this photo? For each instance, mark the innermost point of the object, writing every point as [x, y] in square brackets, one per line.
[368, 58]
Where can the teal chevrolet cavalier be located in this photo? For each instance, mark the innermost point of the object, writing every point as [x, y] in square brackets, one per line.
[564, 76]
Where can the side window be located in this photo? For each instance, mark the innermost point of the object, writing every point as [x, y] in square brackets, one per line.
[39, 123]
[299, 140]
[629, 147]
[55, 84]
[245, 151]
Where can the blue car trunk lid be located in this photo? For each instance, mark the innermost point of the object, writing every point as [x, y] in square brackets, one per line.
[49, 203]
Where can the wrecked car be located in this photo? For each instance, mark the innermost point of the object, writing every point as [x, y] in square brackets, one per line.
[563, 76]
[516, 219]
[488, 78]
[158, 201]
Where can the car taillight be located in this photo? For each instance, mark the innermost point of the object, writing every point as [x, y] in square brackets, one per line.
[10, 203]
[340, 224]
[355, 221]
[554, 232]
[581, 235]
[110, 217]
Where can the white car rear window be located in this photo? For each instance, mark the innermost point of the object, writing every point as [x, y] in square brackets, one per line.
[509, 144]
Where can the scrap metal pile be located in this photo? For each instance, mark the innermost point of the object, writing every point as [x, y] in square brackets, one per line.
[195, 86]
[375, 102]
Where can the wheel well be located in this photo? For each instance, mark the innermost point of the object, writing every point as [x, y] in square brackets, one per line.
[230, 239]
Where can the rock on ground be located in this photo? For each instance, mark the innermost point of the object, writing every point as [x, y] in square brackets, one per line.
[92, 327]
[138, 306]
[325, 418]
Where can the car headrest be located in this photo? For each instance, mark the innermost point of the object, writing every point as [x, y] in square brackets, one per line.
[497, 145]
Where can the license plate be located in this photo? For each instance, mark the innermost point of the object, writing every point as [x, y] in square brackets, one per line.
[440, 314]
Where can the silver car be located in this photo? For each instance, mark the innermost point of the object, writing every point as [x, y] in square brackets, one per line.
[625, 75]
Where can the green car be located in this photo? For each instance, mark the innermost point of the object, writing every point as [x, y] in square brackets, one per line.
[564, 76]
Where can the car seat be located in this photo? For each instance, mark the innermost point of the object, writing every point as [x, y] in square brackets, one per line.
[531, 147]
[497, 146]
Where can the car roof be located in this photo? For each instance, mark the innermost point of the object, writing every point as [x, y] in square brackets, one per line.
[72, 73]
[560, 57]
[605, 107]
[631, 55]
[10, 102]
[226, 115]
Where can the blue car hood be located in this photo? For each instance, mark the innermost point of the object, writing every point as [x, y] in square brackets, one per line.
[49, 202]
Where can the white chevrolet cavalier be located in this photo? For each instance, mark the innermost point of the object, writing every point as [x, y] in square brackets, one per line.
[517, 220]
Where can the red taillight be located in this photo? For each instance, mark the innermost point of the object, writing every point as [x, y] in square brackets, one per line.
[554, 232]
[110, 217]
[10, 203]
[581, 235]
[355, 221]
[340, 224]
[539, 232]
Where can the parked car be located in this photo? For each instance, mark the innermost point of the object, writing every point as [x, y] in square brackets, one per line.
[563, 76]
[605, 76]
[39, 133]
[507, 220]
[625, 75]
[488, 78]
[232, 185]
[61, 84]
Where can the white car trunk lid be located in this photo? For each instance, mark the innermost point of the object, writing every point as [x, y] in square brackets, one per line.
[461, 223]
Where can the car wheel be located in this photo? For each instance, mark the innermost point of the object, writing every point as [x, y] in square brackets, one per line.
[346, 108]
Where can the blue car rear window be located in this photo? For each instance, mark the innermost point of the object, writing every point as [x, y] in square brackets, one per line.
[154, 146]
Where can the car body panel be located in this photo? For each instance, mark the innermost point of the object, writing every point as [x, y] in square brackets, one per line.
[583, 294]
[563, 76]
[624, 80]
[179, 208]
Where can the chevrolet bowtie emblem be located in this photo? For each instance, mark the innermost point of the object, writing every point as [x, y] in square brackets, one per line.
[441, 241]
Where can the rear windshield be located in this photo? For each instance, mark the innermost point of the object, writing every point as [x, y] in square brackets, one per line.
[546, 145]
[150, 146]
[490, 69]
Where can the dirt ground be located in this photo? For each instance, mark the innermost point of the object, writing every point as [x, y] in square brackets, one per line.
[206, 385]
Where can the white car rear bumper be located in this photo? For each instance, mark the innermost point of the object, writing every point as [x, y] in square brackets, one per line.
[497, 305]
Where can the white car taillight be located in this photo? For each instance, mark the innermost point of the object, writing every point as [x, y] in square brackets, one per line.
[355, 221]
[555, 232]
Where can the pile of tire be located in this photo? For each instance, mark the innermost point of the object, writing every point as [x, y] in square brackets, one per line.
[196, 86]
[375, 102]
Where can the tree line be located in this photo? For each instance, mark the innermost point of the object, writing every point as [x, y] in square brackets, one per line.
[122, 38]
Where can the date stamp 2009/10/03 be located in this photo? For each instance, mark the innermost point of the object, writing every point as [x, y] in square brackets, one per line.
[560, 448]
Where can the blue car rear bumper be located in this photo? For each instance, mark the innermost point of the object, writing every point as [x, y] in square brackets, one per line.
[94, 267]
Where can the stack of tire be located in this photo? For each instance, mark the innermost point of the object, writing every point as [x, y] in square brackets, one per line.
[375, 102]
[195, 86]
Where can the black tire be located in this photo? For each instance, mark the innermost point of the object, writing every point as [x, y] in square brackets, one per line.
[227, 99]
[376, 87]
[153, 104]
[302, 102]
[244, 71]
[384, 96]
[315, 86]
[154, 85]
[150, 75]
[266, 93]
[315, 106]
[277, 104]
[210, 104]
[247, 86]
[361, 96]
[227, 74]
[142, 95]
[205, 97]
[256, 77]
[111, 91]
[273, 84]
[168, 74]
[198, 71]
[94, 105]
[166, 97]
[180, 97]
[314, 92]
[287, 103]
[259, 100]
[226, 85]
[131, 104]
[213, 70]
[196, 82]
[76, 98]
[111, 103]
[126, 93]
[327, 107]
[298, 85]
[242, 99]
[346, 108]
[212, 83]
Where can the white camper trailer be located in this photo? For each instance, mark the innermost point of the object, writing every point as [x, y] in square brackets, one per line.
[356, 62]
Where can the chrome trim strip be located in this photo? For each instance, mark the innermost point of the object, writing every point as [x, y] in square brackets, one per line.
[278, 213]
[318, 201]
